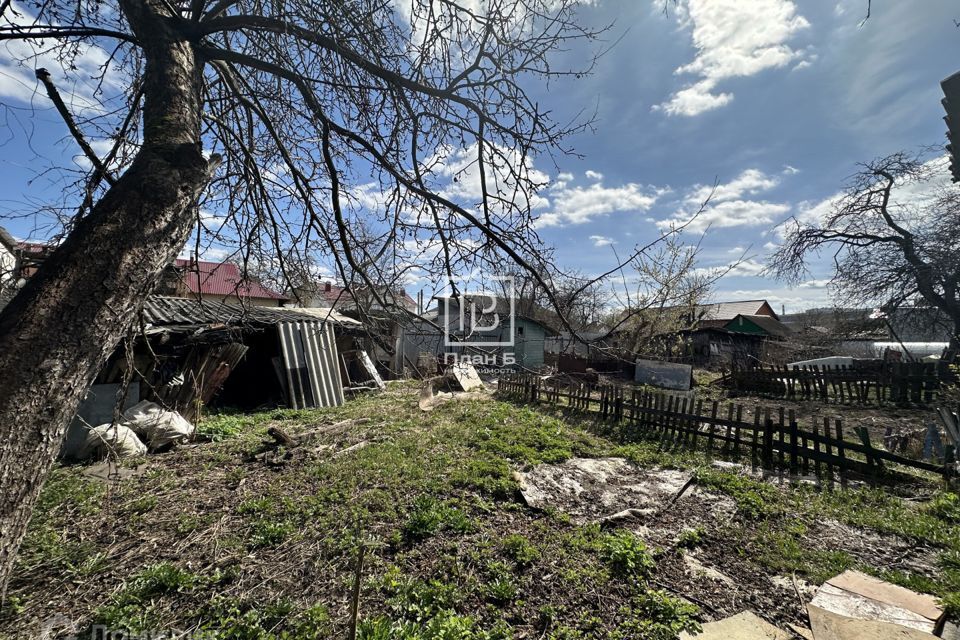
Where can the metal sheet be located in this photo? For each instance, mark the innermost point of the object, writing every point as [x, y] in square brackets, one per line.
[165, 310]
[667, 375]
[310, 361]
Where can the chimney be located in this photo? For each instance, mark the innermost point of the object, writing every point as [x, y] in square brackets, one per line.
[327, 287]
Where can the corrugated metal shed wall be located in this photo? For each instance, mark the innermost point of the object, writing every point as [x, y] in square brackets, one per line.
[311, 362]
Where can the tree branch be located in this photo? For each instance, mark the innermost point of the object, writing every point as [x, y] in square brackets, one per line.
[100, 170]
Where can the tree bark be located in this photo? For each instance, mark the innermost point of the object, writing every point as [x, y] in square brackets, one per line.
[61, 327]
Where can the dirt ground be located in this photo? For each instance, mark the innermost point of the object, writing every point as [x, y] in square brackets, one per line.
[237, 535]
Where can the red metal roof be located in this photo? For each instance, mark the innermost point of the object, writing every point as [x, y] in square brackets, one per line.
[222, 278]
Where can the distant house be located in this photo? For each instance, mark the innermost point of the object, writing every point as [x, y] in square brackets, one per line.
[8, 266]
[217, 282]
[19, 260]
[489, 336]
[761, 325]
[333, 296]
[719, 314]
[383, 311]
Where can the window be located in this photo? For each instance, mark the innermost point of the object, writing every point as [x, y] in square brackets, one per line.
[519, 331]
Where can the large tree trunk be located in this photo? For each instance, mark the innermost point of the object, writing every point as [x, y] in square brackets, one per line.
[61, 327]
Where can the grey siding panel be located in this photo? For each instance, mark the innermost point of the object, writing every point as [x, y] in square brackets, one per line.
[311, 362]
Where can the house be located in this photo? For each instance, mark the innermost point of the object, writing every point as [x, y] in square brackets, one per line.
[333, 296]
[761, 325]
[8, 267]
[19, 259]
[720, 313]
[480, 327]
[217, 282]
[383, 314]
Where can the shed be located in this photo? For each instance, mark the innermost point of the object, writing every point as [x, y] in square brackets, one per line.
[249, 356]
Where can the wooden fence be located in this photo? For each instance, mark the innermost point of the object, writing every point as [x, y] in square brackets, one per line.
[773, 437]
[897, 382]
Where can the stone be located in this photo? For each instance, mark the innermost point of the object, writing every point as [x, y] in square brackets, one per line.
[697, 568]
[854, 605]
[882, 591]
[743, 626]
[827, 625]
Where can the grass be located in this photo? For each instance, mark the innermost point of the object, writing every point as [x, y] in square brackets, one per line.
[211, 538]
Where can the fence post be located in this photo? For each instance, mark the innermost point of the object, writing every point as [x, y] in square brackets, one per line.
[794, 449]
[713, 423]
[841, 453]
[781, 436]
[767, 439]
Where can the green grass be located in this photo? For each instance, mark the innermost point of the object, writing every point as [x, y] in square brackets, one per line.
[451, 550]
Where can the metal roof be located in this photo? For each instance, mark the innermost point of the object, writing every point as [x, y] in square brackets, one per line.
[222, 279]
[166, 311]
[730, 310]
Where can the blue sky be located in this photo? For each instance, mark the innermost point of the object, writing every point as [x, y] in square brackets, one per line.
[775, 100]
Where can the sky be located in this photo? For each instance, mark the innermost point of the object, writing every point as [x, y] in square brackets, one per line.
[774, 101]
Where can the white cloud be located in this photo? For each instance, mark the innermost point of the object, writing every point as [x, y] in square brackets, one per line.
[743, 268]
[593, 175]
[733, 39]
[749, 182]
[601, 241]
[814, 284]
[76, 80]
[564, 177]
[502, 168]
[789, 170]
[909, 196]
[736, 250]
[730, 204]
[579, 205]
[746, 268]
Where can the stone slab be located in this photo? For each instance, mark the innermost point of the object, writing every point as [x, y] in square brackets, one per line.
[743, 626]
[854, 605]
[882, 591]
[827, 625]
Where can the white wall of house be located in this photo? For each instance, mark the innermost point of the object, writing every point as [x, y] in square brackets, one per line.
[8, 264]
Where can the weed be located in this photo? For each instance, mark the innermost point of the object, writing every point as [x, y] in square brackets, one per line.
[755, 499]
[267, 533]
[428, 516]
[418, 600]
[690, 538]
[141, 505]
[627, 555]
[945, 506]
[656, 615]
[520, 550]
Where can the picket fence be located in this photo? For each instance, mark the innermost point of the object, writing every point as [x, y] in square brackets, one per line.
[881, 382]
[773, 438]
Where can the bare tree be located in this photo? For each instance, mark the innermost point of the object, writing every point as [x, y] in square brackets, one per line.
[262, 123]
[893, 236]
